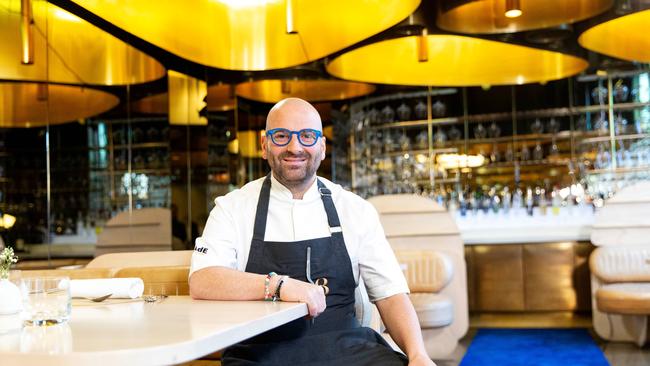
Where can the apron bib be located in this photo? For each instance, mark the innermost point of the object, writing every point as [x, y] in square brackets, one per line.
[335, 336]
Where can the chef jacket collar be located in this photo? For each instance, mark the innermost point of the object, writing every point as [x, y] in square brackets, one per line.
[278, 190]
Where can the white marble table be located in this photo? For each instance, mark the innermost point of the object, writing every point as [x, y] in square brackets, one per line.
[175, 330]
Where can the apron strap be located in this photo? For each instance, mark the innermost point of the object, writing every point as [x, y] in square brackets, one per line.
[332, 216]
[262, 210]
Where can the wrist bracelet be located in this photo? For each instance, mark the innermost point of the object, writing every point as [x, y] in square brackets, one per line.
[276, 296]
[267, 283]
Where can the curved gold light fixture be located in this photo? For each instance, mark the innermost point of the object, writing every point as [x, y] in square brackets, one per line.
[252, 34]
[272, 91]
[220, 98]
[625, 37]
[453, 61]
[489, 16]
[78, 52]
[25, 104]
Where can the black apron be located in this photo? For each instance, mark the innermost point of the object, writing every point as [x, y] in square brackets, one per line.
[335, 336]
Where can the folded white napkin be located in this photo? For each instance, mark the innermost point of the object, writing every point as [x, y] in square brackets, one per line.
[125, 288]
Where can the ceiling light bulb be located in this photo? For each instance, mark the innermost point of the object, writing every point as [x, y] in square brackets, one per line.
[513, 9]
[423, 46]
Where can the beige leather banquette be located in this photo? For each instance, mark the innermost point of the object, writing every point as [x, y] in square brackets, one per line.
[428, 245]
[620, 266]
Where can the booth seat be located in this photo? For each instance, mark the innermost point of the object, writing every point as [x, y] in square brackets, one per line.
[620, 266]
[621, 292]
[427, 243]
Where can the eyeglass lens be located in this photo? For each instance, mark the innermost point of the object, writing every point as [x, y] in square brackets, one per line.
[305, 137]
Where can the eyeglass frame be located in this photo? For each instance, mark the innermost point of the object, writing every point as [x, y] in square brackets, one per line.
[270, 133]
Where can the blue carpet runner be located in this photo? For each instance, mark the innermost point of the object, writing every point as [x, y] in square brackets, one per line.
[539, 347]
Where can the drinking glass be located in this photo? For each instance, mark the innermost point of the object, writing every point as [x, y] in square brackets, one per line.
[46, 300]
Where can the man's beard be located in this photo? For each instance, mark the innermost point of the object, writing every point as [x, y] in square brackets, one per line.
[293, 177]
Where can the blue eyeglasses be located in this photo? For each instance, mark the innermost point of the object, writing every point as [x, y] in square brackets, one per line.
[282, 136]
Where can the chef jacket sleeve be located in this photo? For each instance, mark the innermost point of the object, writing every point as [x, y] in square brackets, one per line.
[218, 245]
[378, 266]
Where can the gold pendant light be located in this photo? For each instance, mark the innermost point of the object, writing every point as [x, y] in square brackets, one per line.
[272, 91]
[252, 34]
[25, 104]
[66, 49]
[221, 97]
[507, 16]
[624, 37]
[453, 61]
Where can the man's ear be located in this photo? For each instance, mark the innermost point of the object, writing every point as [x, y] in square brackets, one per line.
[324, 147]
[263, 144]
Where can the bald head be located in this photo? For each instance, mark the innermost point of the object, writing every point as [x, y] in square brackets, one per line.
[294, 114]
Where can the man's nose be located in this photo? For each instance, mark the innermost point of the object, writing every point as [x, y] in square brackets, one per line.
[294, 144]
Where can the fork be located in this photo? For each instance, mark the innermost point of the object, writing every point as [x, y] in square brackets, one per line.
[153, 298]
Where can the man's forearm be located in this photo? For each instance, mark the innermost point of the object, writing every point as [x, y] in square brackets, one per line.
[402, 324]
[221, 283]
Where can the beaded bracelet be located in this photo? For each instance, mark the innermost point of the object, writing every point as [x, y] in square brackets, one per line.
[276, 296]
[267, 290]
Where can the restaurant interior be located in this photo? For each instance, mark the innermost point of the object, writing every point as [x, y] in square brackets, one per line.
[505, 145]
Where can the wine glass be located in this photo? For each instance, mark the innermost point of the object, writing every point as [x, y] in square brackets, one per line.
[621, 92]
[438, 109]
[480, 132]
[494, 130]
[422, 140]
[599, 94]
[387, 115]
[440, 137]
[454, 134]
[403, 112]
[553, 126]
[420, 110]
[537, 127]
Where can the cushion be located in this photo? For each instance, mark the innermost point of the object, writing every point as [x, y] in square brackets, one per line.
[425, 270]
[621, 264]
[624, 298]
[433, 310]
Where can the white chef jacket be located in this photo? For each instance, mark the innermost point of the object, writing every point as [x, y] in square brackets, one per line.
[227, 236]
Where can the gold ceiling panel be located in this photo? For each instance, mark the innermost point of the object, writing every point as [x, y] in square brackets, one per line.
[252, 34]
[220, 98]
[78, 53]
[24, 104]
[453, 61]
[487, 16]
[272, 91]
[625, 37]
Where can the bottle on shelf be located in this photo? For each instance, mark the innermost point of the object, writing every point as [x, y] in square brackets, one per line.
[495, 156]
[462, 202]
[529, 201]
[538, 152]
[495, 200]
[486, 202]
[542, 201]
[524, 155]
[510, 154]
[506, 199]
[556, 201]
[452, 204]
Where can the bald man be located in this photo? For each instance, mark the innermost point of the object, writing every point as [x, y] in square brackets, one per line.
[293, 236]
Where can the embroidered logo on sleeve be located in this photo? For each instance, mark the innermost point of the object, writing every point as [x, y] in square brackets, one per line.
[203, 250]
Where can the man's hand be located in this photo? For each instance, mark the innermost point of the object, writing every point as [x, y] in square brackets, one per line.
[299, 291]
[421, 360]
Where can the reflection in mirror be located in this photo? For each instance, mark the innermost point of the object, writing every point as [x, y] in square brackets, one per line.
[57, 173]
